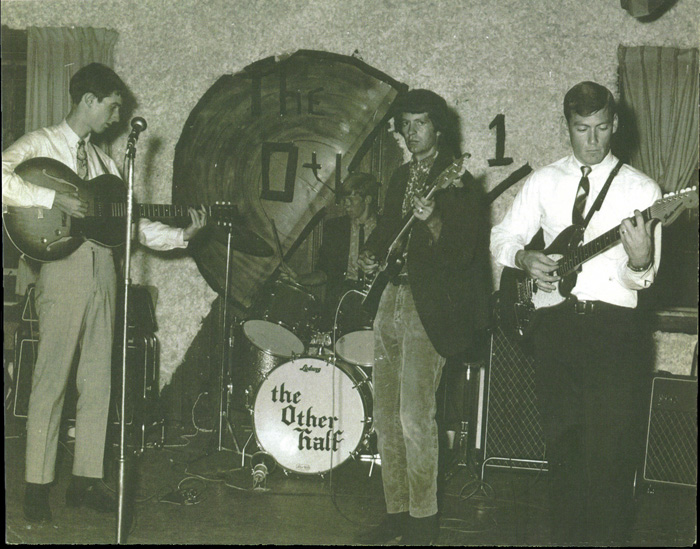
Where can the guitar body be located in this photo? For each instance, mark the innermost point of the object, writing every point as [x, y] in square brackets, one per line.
[519, 295]
[49, 234]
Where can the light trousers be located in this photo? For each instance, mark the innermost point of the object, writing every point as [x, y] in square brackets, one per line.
[406, 375]
[75, 301]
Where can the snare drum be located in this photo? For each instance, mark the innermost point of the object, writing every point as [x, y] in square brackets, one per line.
[354, 334]
[311, 415]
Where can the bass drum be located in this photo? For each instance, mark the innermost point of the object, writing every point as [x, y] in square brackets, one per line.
[311, 415]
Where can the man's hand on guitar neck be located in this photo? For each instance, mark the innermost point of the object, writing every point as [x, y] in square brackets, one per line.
[199, 220]
[424, 209]
[367, 262]
[637, 239]
[70, 204]
[538, 267]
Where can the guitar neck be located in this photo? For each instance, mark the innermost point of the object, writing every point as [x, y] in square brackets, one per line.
[572, 260]
[161, 211]
[450, 173]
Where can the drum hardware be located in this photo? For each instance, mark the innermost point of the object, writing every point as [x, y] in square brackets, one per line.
[262, 464]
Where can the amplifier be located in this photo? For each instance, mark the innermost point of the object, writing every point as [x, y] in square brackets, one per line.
[671, 455]
[512, 433]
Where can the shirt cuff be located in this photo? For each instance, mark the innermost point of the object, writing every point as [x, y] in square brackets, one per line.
[44, 197]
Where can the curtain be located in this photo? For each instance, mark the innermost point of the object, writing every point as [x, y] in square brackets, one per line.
[53, 56]
[659, 88]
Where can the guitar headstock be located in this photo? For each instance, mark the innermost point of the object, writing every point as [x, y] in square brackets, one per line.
[668, 208]
[451, 174]
[224, 213]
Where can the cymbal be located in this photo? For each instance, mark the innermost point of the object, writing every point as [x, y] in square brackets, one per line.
[244, 240]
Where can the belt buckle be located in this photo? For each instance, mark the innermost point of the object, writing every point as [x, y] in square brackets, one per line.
[581, 307]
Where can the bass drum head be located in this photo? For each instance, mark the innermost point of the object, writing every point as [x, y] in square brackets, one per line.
[357, 348]
[310, 415]
[272, 338]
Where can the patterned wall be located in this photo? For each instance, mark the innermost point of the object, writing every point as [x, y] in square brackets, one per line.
[486, 57]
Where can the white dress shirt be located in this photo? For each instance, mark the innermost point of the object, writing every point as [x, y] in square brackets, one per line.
[60, 142]
[546, 200]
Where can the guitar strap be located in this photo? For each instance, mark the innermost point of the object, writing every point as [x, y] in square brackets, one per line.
[601, 195]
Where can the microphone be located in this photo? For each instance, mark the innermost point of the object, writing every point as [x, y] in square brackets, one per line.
[138, 125]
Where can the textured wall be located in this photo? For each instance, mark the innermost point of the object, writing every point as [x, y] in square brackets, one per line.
[484, 56]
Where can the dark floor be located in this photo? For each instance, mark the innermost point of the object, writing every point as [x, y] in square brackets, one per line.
[508, 509]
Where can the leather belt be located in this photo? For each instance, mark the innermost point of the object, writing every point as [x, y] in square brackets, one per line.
[592, 307]
[401, 280]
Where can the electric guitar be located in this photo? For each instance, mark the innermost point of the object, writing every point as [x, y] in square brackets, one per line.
[520, 296]
[393, 261]
[49, 234]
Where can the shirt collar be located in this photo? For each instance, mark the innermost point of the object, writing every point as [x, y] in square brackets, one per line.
[370, 219]
[604, 166]
[72, 137]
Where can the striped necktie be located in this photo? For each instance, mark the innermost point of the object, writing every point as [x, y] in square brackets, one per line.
[82, 163]
[581, 196]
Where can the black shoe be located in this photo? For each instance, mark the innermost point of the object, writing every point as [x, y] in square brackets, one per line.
[392, 527]
[421, 531]
[86, 492]
[36, 502]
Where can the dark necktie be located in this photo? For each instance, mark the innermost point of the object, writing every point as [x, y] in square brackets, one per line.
[82, 163]
[581, 196]
[362, 234]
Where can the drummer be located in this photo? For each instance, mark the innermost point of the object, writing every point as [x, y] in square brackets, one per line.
[343, 238]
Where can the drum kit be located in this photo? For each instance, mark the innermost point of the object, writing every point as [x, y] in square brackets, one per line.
[309, 392]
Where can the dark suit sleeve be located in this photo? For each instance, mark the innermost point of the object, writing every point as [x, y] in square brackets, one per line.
[462, 211]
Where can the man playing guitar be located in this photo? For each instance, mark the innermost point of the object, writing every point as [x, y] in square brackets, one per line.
[430, 311]
[75, 296]
[592, 352]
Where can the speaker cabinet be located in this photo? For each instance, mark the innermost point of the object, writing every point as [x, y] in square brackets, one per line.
[512, 434]
[141, 377]
[671, 455]
[142, 397]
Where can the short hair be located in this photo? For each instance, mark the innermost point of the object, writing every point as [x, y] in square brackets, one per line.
[420, 101]
[585, 98]
[99, 80]
[364, 184]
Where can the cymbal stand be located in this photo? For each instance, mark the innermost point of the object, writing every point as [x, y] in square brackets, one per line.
[226, 343]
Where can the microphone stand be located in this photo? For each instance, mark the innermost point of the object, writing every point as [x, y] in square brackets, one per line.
[129, 163]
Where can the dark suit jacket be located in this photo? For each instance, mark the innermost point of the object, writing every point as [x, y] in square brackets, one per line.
[450, 279]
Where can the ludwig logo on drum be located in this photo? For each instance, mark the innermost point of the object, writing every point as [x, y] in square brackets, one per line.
[308, 368]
